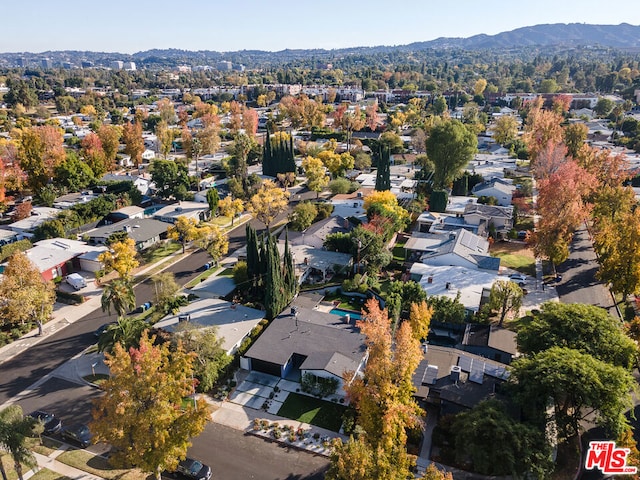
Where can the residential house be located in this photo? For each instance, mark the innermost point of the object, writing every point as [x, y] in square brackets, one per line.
[469, 285]
[39, 215]
[307, 341]
[67, 201]
[487, 216]
[461, 248]
[347, 205]
[197, 211]
[142, 183]
[315, 265]
[315, 235]
[490, 341]
[233, 322]
[145, 232]
[124, 213]
[456, 381]
[58, 257]
[498, 188]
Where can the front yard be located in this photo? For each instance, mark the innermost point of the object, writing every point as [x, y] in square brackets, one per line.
[313, 411]
[515, 255]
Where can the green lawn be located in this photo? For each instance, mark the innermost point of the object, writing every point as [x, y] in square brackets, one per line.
[399, 252]
[515, 256]
[46, 474]
[313, 410]
[98, 466]
[152, 255]
[203, 276]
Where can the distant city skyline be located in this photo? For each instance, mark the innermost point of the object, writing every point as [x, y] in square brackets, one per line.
[132, 26]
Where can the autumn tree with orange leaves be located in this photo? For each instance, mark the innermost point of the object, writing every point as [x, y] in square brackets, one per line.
[383, 398]
[133, 141]
[40, 150]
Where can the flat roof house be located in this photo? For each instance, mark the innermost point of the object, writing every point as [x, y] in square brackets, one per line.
[169, 214]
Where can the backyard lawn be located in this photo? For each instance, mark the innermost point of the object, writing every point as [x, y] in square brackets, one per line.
[313, 410]
[513, 255]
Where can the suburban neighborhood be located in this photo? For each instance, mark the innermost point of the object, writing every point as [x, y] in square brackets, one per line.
[222, 268]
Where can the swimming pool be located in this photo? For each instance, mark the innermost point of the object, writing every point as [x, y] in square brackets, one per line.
[342, 313]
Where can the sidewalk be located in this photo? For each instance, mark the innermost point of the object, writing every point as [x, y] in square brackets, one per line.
[52, 464]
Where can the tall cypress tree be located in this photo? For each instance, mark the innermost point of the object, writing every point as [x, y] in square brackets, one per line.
[267, 156]
[383, 175]
[253, 256]
[290, 280]
[274, 296]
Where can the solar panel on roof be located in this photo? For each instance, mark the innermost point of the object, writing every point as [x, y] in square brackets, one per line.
[465, 363]
[496, 371]
[477, 372]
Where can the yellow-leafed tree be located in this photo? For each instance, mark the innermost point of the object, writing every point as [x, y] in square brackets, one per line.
[184, 230]
[142, 413]
[24, 295]
[269, 202]
[230, 207]
[314, 170]
[121, 258]
[214, 241]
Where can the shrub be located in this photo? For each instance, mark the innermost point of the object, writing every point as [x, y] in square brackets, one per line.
[240, 275]
[7, 250]
[69, 298]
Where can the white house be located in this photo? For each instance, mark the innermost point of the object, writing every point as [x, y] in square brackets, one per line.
[350, 204]
[498, 188]
[195, 210]
[461, 248]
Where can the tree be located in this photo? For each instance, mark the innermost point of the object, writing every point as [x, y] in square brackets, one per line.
[303, 216]
[575, 134]
[94, 155]
[420, 315]
[383, 174]
[447, 310]
[391, 141]
[542, 128]
[369, 247]
[211, 359]
[184, 230]
[617, 242]
[340, 186]
[385, 204]
[24, 296]
[362, 161]
[73, 174]
[498, 444]
[121, 257]
[165, 289]
[278, 154]
[165, 137]
[133, 141]
[171, 178]
[212, 199]
[506, 298]
[387, 375]
[579, 386]
[214, 240]
[432, 473]
[505, 129]
[575, 326]
[230, 207]
[40, 150]
[314, 170]
[110, 139]
[126, 332]
[274, 292]
[15, 429]
[118, 294]
[603, 107]
[337, 164]
[450, 147]
[268, 202]
[142, 413]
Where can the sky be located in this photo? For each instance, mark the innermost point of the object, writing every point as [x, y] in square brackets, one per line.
[134, 25]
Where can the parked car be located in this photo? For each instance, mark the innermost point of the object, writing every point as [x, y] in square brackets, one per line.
[518, 278]
[52, 424]
[76, 280]
[77, 433]
[194, 469]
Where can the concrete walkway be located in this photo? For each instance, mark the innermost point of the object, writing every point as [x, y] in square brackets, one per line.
[50, 463]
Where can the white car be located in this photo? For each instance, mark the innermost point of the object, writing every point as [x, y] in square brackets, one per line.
[518, 278]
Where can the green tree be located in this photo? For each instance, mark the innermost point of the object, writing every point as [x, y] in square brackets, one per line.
[575, 326]
[498, 444]
[340, 185]
[165, 290]
[383, 174]
[73, 174]
[15, 429]
[214, 240]
[171, 178]
[303, 216]
[450, 147]
[212, 199]
[506, 298]
[211, 359]
[126, 332]
[142, 413]
[369, 247]
[604, 107]
[505, 129]
[118, 294]
[446, 309]
[579, 385]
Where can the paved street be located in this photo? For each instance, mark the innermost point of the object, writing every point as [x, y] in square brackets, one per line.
[579, 283]
[34, 363]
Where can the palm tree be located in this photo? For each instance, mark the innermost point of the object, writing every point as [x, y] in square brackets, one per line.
[126, 331]
[118, 294]
[14, 430]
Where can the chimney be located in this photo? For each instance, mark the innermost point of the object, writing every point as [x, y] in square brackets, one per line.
[430, 279]
[455, 373]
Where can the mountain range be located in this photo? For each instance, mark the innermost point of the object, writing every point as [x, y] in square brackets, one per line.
[543, 37]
